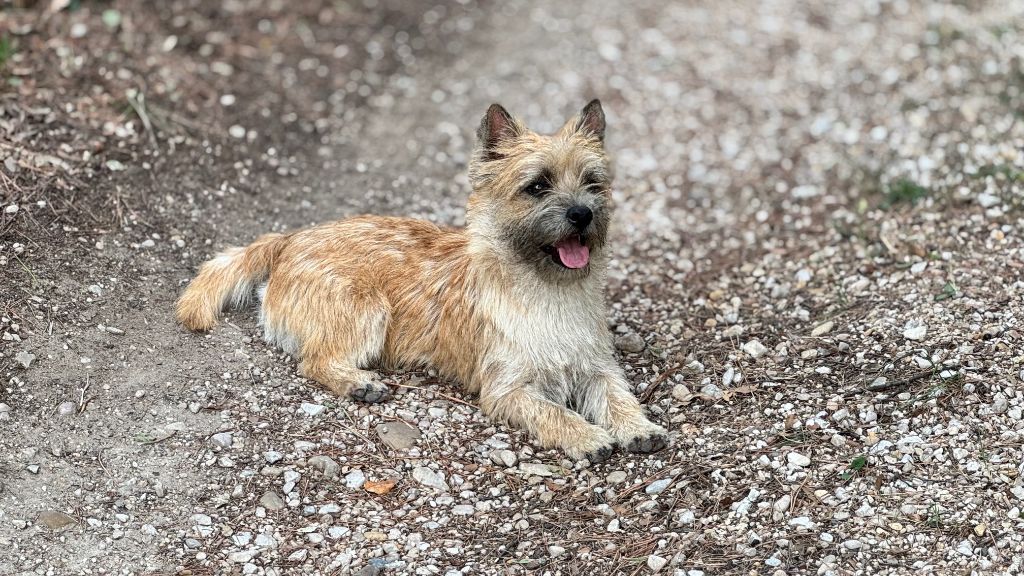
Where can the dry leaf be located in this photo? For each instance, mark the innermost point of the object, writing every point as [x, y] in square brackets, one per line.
[382, 487]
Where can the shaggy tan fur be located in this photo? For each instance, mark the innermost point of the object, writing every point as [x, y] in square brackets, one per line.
[502, 306]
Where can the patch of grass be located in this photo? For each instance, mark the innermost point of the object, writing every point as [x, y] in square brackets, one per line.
[948, 291]
[1011, 173]
[934, 517]
[856, 465]
[904, 191]
[6, 49]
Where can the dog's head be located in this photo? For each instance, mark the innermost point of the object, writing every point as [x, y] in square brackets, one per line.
[543, 199]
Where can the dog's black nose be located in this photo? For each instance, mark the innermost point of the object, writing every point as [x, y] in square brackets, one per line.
[579, 216]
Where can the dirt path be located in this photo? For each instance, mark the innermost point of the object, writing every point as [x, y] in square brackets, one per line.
[816, 288]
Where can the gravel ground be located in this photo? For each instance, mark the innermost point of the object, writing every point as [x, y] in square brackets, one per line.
[816, 287]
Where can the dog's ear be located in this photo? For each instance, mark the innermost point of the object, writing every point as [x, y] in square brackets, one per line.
[496, 127]
[591, 120]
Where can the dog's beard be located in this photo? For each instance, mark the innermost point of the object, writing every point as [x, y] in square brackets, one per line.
[556, 250]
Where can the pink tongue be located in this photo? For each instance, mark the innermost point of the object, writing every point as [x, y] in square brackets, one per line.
[572, 253]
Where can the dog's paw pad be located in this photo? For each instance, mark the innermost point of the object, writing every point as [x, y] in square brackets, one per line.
[647, 443]
[599, 455]
[370, 392]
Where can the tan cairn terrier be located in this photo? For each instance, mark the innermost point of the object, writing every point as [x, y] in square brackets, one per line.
[512, 306]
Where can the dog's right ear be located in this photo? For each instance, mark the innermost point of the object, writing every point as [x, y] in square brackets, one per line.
[496, 127]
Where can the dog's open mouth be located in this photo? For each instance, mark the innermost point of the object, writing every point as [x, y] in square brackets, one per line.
[570, 252]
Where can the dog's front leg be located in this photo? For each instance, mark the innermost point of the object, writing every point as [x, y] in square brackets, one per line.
[606, 401]
[523, 405]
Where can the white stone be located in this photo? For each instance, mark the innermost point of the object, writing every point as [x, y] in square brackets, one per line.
[798, 460]
[755, 349]
[656, 563]
[355, 479]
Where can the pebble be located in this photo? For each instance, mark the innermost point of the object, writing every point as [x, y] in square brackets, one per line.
[630, 342]
[271, 501]
[538, 469]
[67, 408]
[355, 479]
[755, 349]
[298, 556]
[427, 477]
[237, 131]
[398, 435]
[616, 477]
[915, 330]
[312, 409]
[712, 391]
[555, 551]
[243, 556]
[54, 520]
[506, 458]
[266, 541]
[802, 522]
[221, 439]
[272, 456]
[852, 544]
[965, 548]
[798, 460]
[325, 465]
[463, 510]
[658, 486]
[656, 563]
[24, 358]
[823, 328]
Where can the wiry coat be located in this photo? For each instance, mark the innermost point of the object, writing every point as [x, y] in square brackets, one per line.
[489, 305]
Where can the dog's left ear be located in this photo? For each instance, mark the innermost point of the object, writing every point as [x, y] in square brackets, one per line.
[591, 120]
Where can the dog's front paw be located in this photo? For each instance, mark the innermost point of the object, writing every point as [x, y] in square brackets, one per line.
[601, 454]
[595, 447]
[648, 442]
[370, 392]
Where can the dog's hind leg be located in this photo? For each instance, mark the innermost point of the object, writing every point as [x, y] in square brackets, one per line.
[338, 335]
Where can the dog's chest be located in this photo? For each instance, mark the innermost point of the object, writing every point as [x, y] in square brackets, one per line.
[554, 332]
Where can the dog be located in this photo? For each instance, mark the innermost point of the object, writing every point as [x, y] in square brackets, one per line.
[511, 306]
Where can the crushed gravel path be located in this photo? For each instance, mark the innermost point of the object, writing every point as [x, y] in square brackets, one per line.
[817, 287]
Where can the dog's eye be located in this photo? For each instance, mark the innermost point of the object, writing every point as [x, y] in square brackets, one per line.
[537, 188]
[591, 182]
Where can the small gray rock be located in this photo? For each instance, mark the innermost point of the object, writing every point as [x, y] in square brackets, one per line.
[272, 456]
[712, 391]
[616, 477]
[266, 541]
[355, 479]
[326, 465]
[67, 408]
[271, 501]
[312, 409]
[427, 477]
[798, 460]
[658, 486]
[656, 563]
[24, 358]
[55, 520]
[243, 556]
[330, 508]
[221, 439]
[298, 556]
[505, 458]
[630, 342]
[398, 435]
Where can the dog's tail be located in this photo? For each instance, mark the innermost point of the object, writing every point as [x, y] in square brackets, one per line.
[227, 279]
